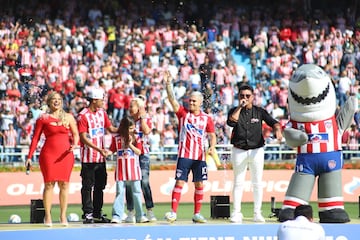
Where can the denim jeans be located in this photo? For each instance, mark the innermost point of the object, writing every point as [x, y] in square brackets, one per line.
[119, 202]
[145, 185]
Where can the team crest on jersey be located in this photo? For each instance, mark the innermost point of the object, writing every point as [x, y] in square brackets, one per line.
[319, 137]
[195, 131]
[97, 132]
[328, 124]
[332, 164]
[125, 153]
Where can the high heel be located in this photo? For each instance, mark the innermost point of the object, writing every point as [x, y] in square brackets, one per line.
[64, 223]
[47, 224]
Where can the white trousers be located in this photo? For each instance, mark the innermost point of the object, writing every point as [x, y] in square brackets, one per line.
[241, 161]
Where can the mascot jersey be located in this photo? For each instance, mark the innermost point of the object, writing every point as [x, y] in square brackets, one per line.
[323, 136]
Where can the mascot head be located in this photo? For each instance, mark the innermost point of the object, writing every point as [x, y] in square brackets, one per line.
[311, 94]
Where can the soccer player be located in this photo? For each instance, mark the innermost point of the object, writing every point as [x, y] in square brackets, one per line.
[194, 127]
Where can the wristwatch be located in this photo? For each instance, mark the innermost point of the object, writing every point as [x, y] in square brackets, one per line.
[142, 117]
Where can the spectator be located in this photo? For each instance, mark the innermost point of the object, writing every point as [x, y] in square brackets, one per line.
[10, 143]
[351, 140]
[156, 144]
[169, 139]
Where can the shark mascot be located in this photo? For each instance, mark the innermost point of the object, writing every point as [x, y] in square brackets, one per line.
[315, 130]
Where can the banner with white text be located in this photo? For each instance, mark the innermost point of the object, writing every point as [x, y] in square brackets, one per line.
[17, 188]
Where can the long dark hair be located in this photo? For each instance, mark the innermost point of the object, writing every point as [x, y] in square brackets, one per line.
[123, 129]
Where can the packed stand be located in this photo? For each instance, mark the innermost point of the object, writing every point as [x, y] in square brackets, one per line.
[75, 46]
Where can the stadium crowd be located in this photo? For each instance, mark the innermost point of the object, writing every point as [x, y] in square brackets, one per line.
[74, 46]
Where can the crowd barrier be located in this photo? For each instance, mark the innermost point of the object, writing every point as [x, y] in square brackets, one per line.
[273, 152]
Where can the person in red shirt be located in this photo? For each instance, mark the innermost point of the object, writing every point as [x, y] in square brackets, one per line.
[13, 91]
[25, 72]
[118, 98]
[69, 87]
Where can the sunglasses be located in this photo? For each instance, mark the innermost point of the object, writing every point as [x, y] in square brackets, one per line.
[245, 95]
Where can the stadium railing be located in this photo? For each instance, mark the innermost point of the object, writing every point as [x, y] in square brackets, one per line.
[167, 154]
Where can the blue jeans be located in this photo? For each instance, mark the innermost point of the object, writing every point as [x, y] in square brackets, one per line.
[9, 158]
[119, 202]
[118, 114]
[145, 184]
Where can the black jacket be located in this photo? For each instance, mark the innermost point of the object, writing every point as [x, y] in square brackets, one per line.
[247, 131]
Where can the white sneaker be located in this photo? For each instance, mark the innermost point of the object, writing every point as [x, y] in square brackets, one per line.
[115, 220]
[130, 217]
[236, 217]
[258, 217]
[170, 217]
[124, 217]
[151, 216]
[143, 219]
[198, 218]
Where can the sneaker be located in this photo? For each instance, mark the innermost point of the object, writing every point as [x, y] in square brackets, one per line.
[130, 217]
[258, 217]
[170, 217]
[124, 217]
[236, 217]
[88, 218]
[198, 218]
[102, 219]
[115, 220]
[143, 219]
[150, 215]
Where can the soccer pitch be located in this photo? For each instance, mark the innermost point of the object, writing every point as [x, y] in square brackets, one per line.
[185, 211]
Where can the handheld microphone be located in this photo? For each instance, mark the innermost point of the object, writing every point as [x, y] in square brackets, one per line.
[243, 104]
[28, 169]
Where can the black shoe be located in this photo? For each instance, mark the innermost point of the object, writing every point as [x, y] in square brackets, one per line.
[102, 219]
[88, 218]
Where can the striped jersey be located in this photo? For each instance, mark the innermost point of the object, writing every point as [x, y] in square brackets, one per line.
[127, 162]
[192, 134]
[144, 139]
[94, 124]
[323, 136]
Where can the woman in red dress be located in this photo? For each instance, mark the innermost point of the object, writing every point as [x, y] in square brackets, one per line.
[56, 158]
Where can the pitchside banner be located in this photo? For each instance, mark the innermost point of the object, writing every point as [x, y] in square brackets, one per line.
[18, 188]
[173, 232]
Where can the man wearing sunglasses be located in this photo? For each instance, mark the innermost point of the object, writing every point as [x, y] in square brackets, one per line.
[248, 149]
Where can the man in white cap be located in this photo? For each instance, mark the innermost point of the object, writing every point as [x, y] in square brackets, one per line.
[93, 121]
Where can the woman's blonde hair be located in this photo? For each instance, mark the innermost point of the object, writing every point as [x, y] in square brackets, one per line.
[62, 114]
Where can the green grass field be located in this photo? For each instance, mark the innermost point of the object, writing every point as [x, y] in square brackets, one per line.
[185, 211]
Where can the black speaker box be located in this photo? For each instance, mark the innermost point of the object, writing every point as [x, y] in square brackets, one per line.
[220, 206]
[37, 211]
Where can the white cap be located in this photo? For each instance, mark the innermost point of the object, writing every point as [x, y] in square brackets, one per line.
[96, 93]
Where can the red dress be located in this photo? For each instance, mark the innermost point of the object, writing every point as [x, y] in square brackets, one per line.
[55, 159]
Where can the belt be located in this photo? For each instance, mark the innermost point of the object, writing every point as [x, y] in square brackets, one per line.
[242, 147]
[245, 147]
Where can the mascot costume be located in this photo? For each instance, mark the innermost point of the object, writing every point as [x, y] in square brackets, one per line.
[315, 130]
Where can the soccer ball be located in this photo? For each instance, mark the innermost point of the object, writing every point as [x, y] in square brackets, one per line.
[14, 219]
[73, 217]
